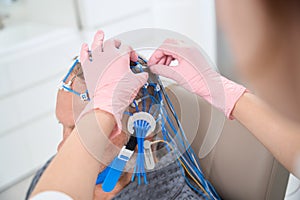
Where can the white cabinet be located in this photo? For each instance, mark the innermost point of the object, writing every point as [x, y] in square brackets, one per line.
[100, 13]
[192, 18]
[31, 69]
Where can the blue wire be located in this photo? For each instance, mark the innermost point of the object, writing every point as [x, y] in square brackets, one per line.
[189, 151]
[151, 97]
[189, 157]
[133, 174]
[195, 189]
[128, 113]
[70, 70]
[145, 61]
[188, 182]
[164, 134]
[143, 99]
[70, 90]
[136, 106]
[172, 127]
[141, 128]
[180, 127]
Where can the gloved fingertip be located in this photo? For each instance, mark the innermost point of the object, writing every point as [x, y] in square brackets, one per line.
[155, 57]
[118, 43]
[84, 52]
[150, 62]
[84, 46]
[163, 60]
[98, 40]
[133, 56]
[99, 35]
[169, 60]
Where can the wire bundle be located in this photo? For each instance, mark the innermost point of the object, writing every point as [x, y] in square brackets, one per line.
[188, 161]
[174, 138]
[141, 128]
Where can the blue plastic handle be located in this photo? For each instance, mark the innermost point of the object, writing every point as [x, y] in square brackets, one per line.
[114, 174]
[102, 175]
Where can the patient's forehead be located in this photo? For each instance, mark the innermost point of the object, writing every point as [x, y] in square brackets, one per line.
[69, 105]
[64, 111]
[77, 104]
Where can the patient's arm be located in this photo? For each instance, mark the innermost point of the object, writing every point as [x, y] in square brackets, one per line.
[278, 134]
[74, 170]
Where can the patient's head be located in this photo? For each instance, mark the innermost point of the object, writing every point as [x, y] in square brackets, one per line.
[68, 108]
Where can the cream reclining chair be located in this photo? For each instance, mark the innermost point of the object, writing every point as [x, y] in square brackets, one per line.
[238, 166]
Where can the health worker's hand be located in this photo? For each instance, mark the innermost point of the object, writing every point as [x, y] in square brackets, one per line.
[111, 84]
[195, 73]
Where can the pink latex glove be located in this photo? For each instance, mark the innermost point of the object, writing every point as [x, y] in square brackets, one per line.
[194, 72]
[111, 84]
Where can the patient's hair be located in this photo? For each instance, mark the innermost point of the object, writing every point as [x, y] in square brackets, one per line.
[283, 12]
[77, 71]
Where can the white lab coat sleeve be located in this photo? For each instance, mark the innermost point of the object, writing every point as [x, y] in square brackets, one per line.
[51, 195]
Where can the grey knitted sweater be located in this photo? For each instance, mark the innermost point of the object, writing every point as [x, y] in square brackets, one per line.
[165, 182]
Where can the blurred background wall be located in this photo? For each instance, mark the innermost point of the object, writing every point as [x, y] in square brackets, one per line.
[39, 38]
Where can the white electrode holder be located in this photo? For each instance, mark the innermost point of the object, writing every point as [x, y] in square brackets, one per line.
[149, 160]
[141, 116]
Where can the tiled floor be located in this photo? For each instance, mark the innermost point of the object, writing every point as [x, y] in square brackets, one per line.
[18, 191]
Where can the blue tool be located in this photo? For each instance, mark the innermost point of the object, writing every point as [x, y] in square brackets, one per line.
[101, 177]
[116, 169]
[111, 174]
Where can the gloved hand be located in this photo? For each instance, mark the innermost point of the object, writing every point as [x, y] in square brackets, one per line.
[111, 84]
[194, 72]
